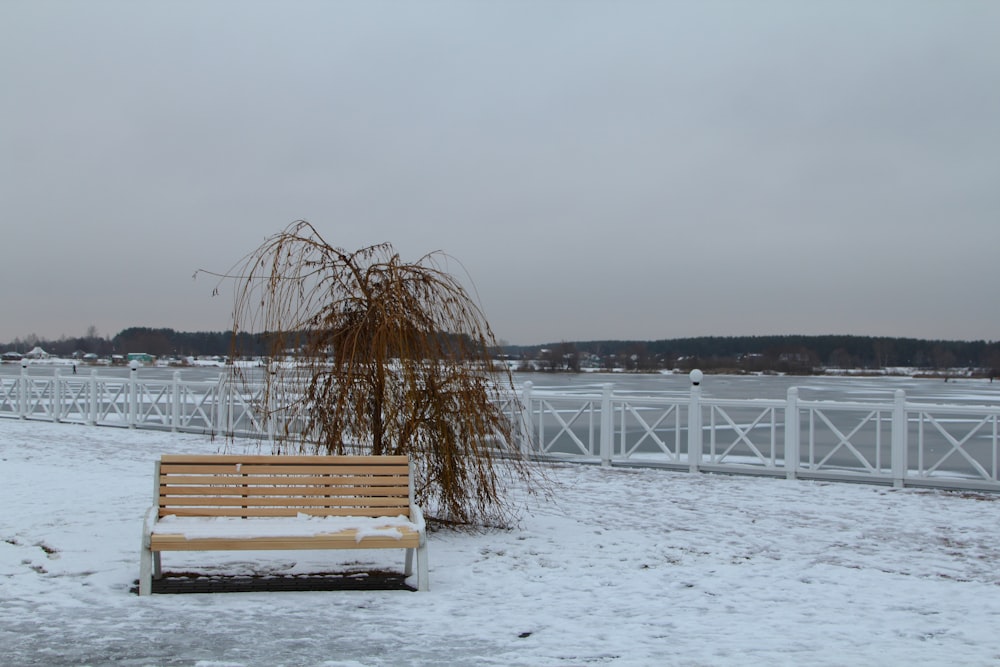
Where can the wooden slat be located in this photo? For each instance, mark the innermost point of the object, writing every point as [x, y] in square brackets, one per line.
[317, 465]
[268, 501]
[282, 511]
[287, 491]
[277, 469]
[304, 479]
[268, 458]
[343, 540]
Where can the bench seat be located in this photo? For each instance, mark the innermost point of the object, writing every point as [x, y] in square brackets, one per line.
[233, 533]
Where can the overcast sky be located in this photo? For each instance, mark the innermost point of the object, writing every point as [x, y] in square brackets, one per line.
[603, 170]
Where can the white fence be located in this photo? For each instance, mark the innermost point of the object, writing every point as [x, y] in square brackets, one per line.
[213, 407]
[890, 442]
[895, 442]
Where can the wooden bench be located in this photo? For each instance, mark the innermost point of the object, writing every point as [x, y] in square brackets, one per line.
[232, 502]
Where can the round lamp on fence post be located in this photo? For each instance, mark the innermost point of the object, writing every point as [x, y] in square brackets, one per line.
[694, 422]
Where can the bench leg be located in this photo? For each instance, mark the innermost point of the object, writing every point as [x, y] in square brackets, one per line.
[423, 584]
[157, 571]
[146, 570]
[421, 555]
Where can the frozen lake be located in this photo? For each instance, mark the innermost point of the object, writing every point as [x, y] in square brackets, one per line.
[813, 388]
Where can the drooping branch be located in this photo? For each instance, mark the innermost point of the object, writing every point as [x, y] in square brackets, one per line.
[391, 357]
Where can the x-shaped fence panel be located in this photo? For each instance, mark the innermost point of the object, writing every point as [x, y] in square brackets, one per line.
[246, 411]
[565, 440]
[196, 407]
[41, 397]
[957, 444]
[76, 401]
[645, 429]
[113, 402]
[846, 450]
[155, 403]
[10, 393]
[754, 431]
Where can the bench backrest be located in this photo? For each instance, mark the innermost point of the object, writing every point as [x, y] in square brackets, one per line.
[262, 485]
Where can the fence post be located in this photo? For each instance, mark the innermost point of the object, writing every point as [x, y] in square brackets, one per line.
[92, 417]
[175, 410]
[222, 399]
[525, 421]
[56, 394]
[793, 434]
[270, 384]
[607, 422]
[694, 422]
[899, 439]
[133, 393]
[22, 393]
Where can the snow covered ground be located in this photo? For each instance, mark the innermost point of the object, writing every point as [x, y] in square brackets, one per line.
[618, 567]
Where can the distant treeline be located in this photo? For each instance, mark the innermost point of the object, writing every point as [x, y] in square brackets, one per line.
[738, 353]
[162, 343]
[760, 353]
[157, 342]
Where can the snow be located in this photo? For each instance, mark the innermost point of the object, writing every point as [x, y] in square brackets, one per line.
[613, 567]
[302, 526]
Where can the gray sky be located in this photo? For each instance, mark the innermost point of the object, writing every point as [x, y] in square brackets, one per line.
[623, 170]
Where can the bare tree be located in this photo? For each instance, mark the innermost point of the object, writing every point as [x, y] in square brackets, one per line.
[393, 358]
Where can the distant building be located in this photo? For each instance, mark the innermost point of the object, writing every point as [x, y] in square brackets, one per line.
[141, 357]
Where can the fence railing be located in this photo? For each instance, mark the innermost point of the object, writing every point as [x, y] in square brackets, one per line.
[215, 407]
[895, 442]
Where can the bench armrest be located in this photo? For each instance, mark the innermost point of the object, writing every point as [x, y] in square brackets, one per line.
[417, 518]
[148, 522]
